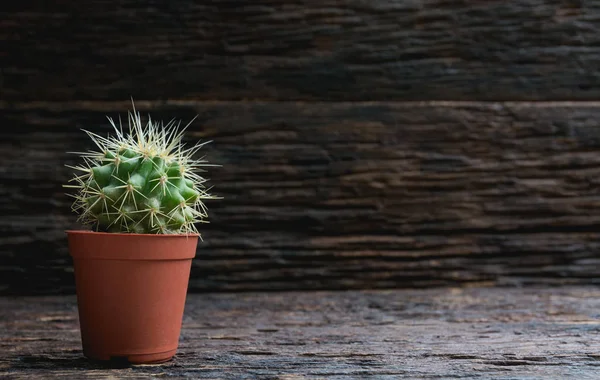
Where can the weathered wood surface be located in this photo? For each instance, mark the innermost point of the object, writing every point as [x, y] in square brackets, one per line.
[332, 196]
[318, 50]
[533, 333]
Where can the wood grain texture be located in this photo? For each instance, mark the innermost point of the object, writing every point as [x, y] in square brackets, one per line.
[301, 50]
[534, 333]
[337, 196]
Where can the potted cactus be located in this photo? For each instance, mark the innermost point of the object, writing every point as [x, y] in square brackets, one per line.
[141, 194]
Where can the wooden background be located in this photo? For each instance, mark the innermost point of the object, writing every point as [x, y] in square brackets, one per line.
[364, 144]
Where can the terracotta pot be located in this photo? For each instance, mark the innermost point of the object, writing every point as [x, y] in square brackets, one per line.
[131, 291]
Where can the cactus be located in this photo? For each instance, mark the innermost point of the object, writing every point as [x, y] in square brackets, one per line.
[144, 181]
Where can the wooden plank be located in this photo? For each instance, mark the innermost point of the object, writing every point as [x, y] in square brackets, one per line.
[336, 195]
[402, 334]
[301, 50]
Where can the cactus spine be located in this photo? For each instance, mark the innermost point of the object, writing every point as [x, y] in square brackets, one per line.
[143, 181]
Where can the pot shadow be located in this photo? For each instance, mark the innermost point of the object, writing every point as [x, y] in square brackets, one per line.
[72, 362]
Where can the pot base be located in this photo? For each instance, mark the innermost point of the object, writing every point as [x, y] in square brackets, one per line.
[150, 358]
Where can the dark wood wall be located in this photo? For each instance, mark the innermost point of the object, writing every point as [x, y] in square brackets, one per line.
[364, 144]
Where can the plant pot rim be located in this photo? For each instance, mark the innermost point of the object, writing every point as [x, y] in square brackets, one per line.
[87, 232]
[124, 246]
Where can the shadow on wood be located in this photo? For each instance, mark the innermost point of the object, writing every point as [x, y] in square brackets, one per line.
[60, 362]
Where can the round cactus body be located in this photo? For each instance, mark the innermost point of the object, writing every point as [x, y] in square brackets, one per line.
[144, 181]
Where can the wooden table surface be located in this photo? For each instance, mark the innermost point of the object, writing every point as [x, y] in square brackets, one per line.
[508, 333]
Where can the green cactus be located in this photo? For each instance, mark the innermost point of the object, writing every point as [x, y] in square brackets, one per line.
[144, 181]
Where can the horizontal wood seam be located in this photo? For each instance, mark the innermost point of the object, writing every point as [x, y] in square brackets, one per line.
[23, 105]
